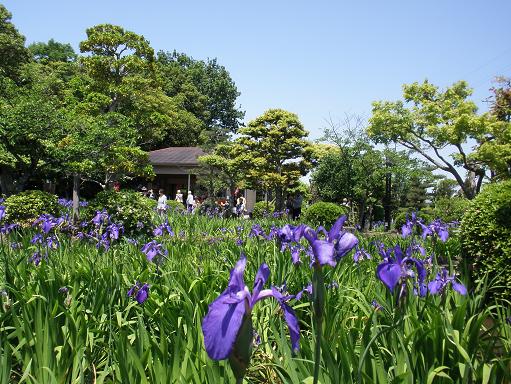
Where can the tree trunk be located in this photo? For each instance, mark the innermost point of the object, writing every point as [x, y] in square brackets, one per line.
[76, 198]
[362, 214]
[279, 201]
[6, 181]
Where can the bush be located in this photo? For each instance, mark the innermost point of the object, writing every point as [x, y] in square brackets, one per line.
[27, 206]
[128, 208]
[450, 209]
[486, 235]
[175, 205]
[262, 209]
[323, 213]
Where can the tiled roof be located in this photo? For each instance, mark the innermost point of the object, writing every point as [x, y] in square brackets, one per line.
[176, 156]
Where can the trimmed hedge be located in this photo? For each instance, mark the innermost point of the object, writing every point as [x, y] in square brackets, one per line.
[24, 207]
[486, 236]
[128, 208]
[323, 213]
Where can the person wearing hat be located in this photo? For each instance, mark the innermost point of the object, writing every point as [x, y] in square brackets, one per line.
[179, 196]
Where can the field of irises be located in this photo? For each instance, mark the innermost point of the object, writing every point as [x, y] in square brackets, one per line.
[92, 304]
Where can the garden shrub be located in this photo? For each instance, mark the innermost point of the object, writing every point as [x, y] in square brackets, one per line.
[486, 236]
[262, 209]
[128, 208]
[175, 205]
[450, 209]
[323, 213]
[27, 206]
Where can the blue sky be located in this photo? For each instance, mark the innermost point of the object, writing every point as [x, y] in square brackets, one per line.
[314, 58]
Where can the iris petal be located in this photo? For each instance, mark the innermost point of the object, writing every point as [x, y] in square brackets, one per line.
[291, 320]
[389, 274]
[220, 327]
[324, 252]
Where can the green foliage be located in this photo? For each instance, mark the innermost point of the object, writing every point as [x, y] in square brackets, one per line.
[52, 51]
[175, 205]
[323, 213]
[128, 208]
[450, 209]
[263, 209]
[31, 125]
[274, 151]
[96, 332]
[12, 47]
[206, 90]
[486, 235]
[27, 206]
[429, 120]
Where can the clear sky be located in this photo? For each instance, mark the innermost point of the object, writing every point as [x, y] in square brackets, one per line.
[314, 58]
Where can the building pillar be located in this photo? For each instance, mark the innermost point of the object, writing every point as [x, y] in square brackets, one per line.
[189, 186]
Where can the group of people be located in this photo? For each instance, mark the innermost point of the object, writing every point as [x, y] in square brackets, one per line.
[189, 203]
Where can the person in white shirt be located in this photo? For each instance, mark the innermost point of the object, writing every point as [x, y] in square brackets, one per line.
[162, 203]
[190, 201]
[179, 196]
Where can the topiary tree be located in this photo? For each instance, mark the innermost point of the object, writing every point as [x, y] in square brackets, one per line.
[27, 206]
[486, 236]
[323, 213]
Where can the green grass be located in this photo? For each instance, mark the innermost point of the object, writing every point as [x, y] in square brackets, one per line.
[96, 334]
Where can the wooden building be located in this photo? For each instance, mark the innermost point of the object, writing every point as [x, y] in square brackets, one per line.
[175, 168]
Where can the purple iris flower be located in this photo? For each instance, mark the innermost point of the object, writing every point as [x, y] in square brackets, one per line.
[113, 230]
[153, 249]
[295, 254]
[441, 281]
[37, 239]
[36, 258]
[2, 211]
[101, 217]
[52, 242]
[407, 229]
[436, 227]
[161, 229]
[336, 244]
[257, 231]
[361, 254]
[239, 242]
[140, 292]
[225, 315]
[8, 228]
[399, 268]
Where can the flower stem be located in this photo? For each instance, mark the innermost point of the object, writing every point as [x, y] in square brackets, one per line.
[318, 299]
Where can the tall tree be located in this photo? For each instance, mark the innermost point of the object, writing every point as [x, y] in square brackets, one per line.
[207, 90]
[275, 152]
[495, 145]
[432, 122]
[31, 122]
[121, 67]
[13, 53]
[52, 51]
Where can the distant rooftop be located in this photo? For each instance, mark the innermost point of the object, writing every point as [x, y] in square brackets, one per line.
[177, 156]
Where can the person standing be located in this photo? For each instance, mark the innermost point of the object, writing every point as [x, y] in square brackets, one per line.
[162, 202]
[190, 201]
[179, 196]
